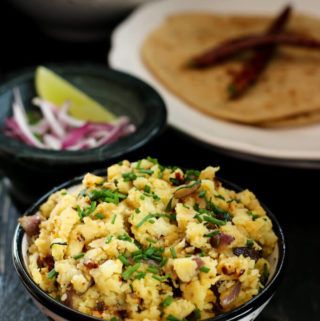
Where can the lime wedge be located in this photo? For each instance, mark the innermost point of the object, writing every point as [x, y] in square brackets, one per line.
[57, 90]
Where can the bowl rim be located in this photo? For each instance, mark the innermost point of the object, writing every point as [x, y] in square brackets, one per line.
[71, 314]
[152, 124]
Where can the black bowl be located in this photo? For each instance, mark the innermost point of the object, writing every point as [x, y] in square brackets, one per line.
[27, 167]
[57, 311]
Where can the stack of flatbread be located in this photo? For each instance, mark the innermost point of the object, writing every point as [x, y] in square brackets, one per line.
[286, 94]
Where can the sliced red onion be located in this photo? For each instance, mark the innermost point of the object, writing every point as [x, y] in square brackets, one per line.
[40, 127]
[20, 117]
[221, 240]
[30, 224]
[66, 119]
[84, 144]
[48, 114]
[52, 142]
[59, 130]
[233, 293]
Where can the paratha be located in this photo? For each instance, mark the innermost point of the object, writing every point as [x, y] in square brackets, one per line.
[289, 86]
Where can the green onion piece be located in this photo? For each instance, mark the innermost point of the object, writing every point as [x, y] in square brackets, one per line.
[52, 274]
[147, 189]
[167, 301]
[124, 237]
[123, 259]
[78, 256]
[64, 193]
[204, 269]
[113, 219]
[202, 194]
[265, 275]
[213, 220]
[254, 216]
[130, 270]
[129, 177]
[173, 252]
[219, 196]
[151, 240]
[161, 278]
[145, 219]
[170, 317]
[164, 261]
[152, 269]
[137, 210]
[100, 216]
[145, 171]
[214, 233]
[198, 218]
[113, 319]
[152, 160]
[249, 243]
[58, 243]
[140, 275]
[108, 239]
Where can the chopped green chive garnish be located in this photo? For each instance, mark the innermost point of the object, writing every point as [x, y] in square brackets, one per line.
[151, 240]
[142, 197]
[147, 189]
[140, 275]
[204, 269]
[130, 270]
[173, 252]
[202, 194]
[170, 317]
[52, 274]
[113, 319]
[198, 218]
[249, 243]
[145, 219]
[129, 177]
[254, 216]
[100, 216]
[106, 195]
[191, 175]
[213, 220]
[64, 193]
[78, 256]
[113, 219]
[265, 275]
[108, 239]
[123, 259]
[145, 171]
[87, 211]
[167, 301]
[214, 233]
[163, 261]
[161, 278]
[219, 196]
[58, 243]
[152, 160]
[153, 269]
[137, 210]
[124, 237]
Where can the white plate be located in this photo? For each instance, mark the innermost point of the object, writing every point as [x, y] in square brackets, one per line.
[295, 145]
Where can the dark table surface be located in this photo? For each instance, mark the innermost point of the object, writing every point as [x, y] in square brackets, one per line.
[292, 194]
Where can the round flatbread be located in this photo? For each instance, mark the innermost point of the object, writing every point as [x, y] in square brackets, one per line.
[289, 86]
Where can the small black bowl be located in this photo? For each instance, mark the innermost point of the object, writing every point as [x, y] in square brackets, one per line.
[59, 312]
[32, 171]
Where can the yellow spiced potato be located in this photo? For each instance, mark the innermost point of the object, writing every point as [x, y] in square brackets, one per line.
[148, 242]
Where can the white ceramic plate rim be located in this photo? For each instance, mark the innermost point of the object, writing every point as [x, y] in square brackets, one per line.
[294, 144]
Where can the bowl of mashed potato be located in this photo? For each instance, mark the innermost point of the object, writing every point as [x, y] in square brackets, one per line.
[142, 241]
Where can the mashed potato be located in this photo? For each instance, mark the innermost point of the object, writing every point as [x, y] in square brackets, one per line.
[149, 242]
